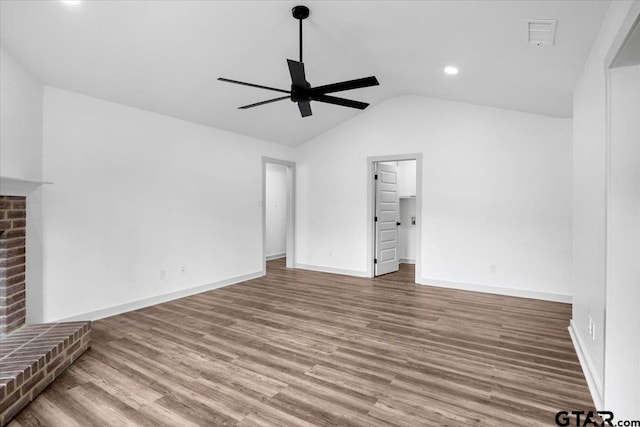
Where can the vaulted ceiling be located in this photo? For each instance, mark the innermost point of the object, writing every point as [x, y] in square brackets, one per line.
[165, 56]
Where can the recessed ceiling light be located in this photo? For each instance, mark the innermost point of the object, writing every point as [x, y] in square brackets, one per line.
[71, 2]
[450, 70]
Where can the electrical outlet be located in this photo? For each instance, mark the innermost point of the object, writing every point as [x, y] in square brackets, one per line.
[493, 268]
[591, 327]
[593, 331]
[163, 274]
[183, 270]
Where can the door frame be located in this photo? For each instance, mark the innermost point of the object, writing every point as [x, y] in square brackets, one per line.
[601, 392]
[291, 211]
[371, 189]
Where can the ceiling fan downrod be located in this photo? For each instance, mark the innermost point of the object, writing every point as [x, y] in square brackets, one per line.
[300, 13]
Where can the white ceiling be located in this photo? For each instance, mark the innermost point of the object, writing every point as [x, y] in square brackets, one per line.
[165, 56]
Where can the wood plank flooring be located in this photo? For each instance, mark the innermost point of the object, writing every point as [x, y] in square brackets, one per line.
[314, 349]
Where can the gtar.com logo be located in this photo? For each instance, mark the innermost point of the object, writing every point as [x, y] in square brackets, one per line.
[585, 418]
[591, 418]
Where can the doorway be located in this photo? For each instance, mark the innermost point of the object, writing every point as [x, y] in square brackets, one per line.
[394, 206]
[278, 211]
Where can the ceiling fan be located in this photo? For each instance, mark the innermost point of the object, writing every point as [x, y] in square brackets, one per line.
[301, 91]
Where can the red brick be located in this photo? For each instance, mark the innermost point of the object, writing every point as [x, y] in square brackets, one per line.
[12, 243]
[19, 379]
[32, 382]
[73, 348]
[16, 214]
[7, 290]
[18, 223]
[12, 262]
[10, 400]
[12, 233]
[15, 280]
[17, 297]
[55, 362]
[79, 352]
[19, 204]
[42, 385]
[15, 271]
[13, 411]
[14, 252]
[15, 316]
[63, 366]
[10, 327]
[16, 307]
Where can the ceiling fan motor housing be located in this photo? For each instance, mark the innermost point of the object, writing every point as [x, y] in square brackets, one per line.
[301, 94]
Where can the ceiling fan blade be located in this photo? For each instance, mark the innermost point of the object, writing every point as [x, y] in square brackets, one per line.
[339, 101]
[298, 78]
[222, 79]
[346, 85]
[268, 101]
[305, 108]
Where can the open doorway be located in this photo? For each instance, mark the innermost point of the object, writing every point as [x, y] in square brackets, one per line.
[275, 206]
[278, 211]
[394, 211]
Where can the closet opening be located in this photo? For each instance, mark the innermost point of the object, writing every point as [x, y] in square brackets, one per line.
[278, 211]
[394, 211]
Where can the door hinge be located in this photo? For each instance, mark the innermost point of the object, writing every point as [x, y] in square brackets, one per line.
[375, 176]
[375, 260]
[375, 219]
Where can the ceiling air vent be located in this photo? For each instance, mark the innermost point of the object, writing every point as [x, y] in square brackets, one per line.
[541, 32]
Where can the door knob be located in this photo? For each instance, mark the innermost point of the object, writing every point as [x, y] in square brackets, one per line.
[398, 223]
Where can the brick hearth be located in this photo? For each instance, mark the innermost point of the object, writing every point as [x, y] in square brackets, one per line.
[31, 356]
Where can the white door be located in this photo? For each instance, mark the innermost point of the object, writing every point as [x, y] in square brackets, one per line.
[386, 219]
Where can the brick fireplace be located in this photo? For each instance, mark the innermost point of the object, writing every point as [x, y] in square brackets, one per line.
[31, 356]
[13, 224]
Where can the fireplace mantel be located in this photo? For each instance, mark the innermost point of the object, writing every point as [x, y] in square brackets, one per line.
[10, 186]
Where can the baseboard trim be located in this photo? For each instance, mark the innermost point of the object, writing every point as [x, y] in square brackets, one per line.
[275, 256]
[521, 293]
[332, 270]
[146, 302]
[407, 261]
[593, 382]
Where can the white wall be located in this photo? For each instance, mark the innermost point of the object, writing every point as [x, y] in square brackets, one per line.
[589, 202]
[496, 190]
[21, 157]
[276, 210]
[135, 193]
[622, 342]
[21, 119]
[407, 231]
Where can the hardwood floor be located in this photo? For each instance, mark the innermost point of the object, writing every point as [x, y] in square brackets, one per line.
[305, 348]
